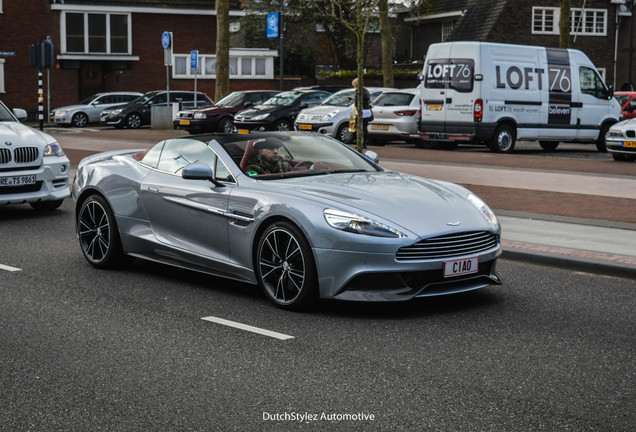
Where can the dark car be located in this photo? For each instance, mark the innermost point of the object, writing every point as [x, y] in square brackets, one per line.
[328, 88]
[627, 99]
[219, 117]
[137, 113]
[278, 112]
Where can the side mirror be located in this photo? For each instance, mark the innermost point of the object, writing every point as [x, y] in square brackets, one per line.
[610, 91]
[20, 114]
[199, 171]
[248, 104]
[372, 156]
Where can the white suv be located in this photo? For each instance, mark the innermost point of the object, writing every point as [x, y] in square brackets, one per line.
[33, 166]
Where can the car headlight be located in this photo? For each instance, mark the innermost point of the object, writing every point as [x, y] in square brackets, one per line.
[115, 111]
[60, 113]
[200, 116]
[260, 117]
[354, 223]
[329, 116]
[53, 149]
[483, 208]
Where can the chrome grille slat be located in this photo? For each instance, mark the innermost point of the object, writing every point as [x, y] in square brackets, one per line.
[25, 154]
[448, 246]
[5, 156]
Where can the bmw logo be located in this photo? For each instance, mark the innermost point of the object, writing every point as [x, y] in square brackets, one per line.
[8, 143]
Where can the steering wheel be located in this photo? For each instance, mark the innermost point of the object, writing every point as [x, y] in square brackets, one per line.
[305, 164]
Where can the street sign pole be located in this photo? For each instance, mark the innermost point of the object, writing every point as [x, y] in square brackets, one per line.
[194, 65]
[166, 42]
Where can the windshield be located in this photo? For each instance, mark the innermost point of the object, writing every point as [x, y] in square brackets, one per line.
[231, 100]
[299, 154]
[144, 98]
[5, 114]
[342, 98]
[282, 99]
[393, 99]
[622, 98]
[88, 100]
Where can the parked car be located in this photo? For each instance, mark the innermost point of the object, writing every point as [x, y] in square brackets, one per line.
[332, 116]
[334, 88]
[220, 116]
[88, 110]
[33, 166]
[337, 225]
[621, 140]
[395, 115]
[137, 113]
[628, 103]
[278, 112]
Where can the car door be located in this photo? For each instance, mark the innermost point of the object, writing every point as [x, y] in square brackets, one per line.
[590, 104]
[97, 106]
[187, 214]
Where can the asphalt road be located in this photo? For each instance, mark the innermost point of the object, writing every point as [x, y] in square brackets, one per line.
[129, 350]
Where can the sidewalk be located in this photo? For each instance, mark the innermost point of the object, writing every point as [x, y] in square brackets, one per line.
[583, 219]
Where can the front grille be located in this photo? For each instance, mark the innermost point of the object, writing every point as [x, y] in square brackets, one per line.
[185, 115]
[25, 154]
[630, 133]
[448, 246]
[5, 156]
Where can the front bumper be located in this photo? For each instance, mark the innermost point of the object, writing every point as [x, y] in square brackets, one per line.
[254, 126]
[51, 183]
[626, 146]
[112, 119]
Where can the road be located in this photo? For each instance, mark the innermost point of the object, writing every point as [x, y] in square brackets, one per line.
[139, 349]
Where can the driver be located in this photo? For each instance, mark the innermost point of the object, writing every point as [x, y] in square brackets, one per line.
[267, 161]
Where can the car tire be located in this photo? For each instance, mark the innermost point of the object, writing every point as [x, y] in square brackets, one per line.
[549, 146]
[343, 135]
[226, 125]
[600, 141]
[98, 234]
[46, 205]
[285, 267]
[283, 126]
[134, 121]
[79, 120]
[503, 140]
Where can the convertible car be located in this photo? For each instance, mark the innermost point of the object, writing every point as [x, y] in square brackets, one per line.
[335, 225]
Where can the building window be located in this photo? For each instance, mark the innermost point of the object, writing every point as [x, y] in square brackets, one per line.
[545, 20]
[447, 29]
[242, 65]
[588, 22]
[96, 33]
[1, 73]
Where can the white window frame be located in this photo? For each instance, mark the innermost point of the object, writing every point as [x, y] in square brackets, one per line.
[63, 49]
[539, 15]
[2, 90]
[236, 55]
[447, 29]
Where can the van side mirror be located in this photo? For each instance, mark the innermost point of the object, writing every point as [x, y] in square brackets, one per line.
[610, 91]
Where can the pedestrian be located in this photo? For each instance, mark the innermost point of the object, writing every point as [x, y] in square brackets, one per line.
[367, 114]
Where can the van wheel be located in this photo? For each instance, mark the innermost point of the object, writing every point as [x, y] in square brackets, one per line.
[549, 145]
[600, 141]
[503, 141]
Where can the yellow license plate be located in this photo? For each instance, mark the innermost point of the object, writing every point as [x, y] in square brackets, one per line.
[630, 144]
[304, 127]
[184, 122]
[434, 107]
[380, 127]
[243, 131]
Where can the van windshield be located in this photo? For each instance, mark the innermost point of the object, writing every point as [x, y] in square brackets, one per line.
[456, 74]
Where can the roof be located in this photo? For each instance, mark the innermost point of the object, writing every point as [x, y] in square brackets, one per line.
[163, 4]
[478, 20]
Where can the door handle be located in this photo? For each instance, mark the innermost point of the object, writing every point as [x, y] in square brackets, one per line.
[153, 189]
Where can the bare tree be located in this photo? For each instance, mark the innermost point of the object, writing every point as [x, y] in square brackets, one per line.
[222, 85]
[564, 24]
[387, 44]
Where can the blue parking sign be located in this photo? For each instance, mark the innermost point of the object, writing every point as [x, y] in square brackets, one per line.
[272, 25]
[194, 59]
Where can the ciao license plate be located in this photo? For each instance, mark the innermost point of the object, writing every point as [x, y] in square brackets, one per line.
[243, 131]
[17, 180]
[380, 127]
[631, 144]
[184, 122]
[304, 127]
[434, 107]
[461, 267]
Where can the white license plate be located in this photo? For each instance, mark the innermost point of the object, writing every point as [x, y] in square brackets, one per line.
[17, 180]
[461, 267]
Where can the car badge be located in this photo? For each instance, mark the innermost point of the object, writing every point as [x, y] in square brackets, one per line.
[456, 223]
[8, 143]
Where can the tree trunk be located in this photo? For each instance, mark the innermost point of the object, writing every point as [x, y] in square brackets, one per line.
[387, 44]
[222, 87]
[564, 24]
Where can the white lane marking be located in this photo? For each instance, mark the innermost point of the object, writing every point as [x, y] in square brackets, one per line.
[9, 268]
[248, 328]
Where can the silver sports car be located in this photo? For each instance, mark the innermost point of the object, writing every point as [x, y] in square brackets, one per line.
[325, 222]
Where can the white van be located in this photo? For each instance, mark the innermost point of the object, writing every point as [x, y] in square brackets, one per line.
[495, 94]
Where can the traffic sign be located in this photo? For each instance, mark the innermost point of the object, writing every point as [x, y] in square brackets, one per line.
[165, 39]
[194, 59]
[272, 25]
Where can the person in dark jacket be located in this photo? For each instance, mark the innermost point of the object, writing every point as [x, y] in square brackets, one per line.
[367, 114]
[267, 161]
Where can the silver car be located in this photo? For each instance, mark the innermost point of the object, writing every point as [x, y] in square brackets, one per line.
[331, 117]
[333, 224]
[33, 166]
[395, 115]
[621, 140]
[89, 109]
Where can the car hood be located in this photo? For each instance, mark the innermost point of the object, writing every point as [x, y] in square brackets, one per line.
[20, 135]
[422, 206]
[625, 124]
[70, 107]
[262, 109]
[323, 109]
